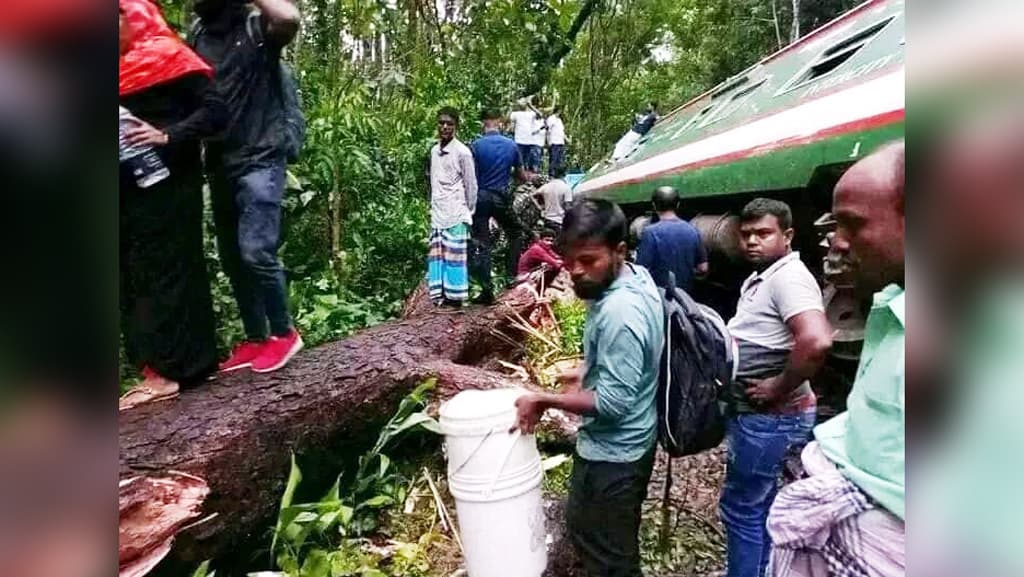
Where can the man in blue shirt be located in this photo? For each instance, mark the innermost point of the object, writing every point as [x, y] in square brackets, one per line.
[615, 392]
[496, 156]
[671, 244]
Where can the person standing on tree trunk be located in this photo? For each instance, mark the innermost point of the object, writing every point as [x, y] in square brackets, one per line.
[247, 168]
[453, 194]
[497, 158]
[166, 309]
[783, 338]
[614, 392]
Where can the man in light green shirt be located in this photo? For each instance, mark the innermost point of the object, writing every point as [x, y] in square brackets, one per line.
[846, 518]
[867, 441]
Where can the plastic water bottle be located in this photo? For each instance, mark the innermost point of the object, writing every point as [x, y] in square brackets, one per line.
[144, 162]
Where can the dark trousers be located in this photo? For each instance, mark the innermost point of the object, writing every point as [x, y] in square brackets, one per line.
[497, 205]
[247, 214]
[531, 156]
[603, 514]
[556, 157]
[166, 311]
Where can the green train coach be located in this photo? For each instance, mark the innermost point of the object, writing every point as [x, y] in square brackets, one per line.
[784, 128]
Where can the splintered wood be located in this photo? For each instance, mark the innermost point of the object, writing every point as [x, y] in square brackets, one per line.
[151, 511]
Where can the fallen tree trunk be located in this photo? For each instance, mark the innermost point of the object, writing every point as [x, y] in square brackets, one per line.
[238, 432]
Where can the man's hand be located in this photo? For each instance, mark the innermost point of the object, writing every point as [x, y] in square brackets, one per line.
[571, 380]
[282, 17]
[767, 391]
[145, 134]
[529, 409]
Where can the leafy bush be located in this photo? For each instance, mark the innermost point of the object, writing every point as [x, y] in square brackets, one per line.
[571, 316]
[327, 538]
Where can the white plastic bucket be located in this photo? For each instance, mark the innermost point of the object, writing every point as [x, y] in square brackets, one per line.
[495, 477]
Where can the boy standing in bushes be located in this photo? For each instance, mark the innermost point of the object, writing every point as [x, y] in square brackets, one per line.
[452, 202]
[615, 391]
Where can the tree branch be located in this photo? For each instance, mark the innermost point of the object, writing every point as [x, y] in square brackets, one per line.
[548, 63]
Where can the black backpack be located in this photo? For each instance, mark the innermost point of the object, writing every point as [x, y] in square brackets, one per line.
[295, 121]
[697, 365]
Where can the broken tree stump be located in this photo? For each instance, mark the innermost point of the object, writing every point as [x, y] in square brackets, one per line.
[151, 511]
[238, 432]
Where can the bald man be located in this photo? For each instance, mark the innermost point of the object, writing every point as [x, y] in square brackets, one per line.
[671, 244]
[847, 517]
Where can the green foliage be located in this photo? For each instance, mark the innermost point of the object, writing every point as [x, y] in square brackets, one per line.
[204, 570]
[557, 471]
[571, 316]
[693, 547]
[326, 538]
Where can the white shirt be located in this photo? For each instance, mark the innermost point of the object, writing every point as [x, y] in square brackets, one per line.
[452, 185]
[540, 131]
[557, 194]
[770, 298]
[556, 130]
[524, 121]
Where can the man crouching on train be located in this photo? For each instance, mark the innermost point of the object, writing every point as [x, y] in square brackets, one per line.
[614, 391]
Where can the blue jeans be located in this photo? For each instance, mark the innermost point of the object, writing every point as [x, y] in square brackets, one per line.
[530, 154]
[247, 214]
[758, 443]
[556, 157]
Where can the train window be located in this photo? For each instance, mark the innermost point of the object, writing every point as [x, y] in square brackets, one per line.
[696, 118]
[733, 104]
[835, 55]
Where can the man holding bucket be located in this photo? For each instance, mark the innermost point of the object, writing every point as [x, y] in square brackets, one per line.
[615, 391]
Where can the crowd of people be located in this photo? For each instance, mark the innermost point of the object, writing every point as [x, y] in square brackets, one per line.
[223, 94]
[470, 188]
[845, 515]
[216, 110]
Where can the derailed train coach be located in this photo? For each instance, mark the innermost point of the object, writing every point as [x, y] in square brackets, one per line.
[785, 128]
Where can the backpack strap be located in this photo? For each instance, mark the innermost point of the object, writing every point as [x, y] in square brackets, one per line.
[195, 30]
[666, 499]
[253, 29]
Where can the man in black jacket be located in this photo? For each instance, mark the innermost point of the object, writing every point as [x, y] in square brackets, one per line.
[246, 168]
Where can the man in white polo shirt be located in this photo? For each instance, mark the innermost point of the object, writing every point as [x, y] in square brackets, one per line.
[783, 338]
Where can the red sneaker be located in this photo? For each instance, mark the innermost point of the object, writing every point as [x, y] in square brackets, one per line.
[277, 352]
[242, 356]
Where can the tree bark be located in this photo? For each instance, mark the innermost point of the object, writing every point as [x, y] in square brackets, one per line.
[238, 432]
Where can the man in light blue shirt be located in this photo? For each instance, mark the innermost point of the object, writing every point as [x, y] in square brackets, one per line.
[615, 392]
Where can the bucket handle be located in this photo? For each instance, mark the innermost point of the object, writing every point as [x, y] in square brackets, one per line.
[508, 453]
[473, 452]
